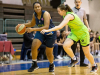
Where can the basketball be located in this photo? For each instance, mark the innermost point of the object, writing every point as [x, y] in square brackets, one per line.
[20, 29]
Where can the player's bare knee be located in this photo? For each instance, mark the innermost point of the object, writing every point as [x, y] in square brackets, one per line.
[66, 46]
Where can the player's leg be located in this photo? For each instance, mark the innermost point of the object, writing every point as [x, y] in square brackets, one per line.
[50, 40]
[38, 39]
[67, 47]
[49, 54]
[73, 47]
[82, 57]
[34, 49]
[90, 58]
[86, 49]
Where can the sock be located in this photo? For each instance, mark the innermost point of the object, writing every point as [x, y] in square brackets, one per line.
[51, 63]
[74, 58]
[34, 60]
[94, 64]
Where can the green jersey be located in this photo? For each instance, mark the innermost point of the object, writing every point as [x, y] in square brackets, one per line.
[78, 30]
[76, 25]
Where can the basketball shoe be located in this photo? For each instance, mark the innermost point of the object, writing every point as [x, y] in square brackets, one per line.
[94, 69]
[72, 64]
[51, 68]
[33, 67]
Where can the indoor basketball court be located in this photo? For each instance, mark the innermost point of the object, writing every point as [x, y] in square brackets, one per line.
[14, 18]
[61, 68]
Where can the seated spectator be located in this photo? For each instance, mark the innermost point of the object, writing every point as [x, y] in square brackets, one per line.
[34, 33]
[59, 45]
[55, 51]
[96, 43]
[91, 42]
[4, 32]
[62, 39]
[28, 38]
[7, 53]
[41, 52]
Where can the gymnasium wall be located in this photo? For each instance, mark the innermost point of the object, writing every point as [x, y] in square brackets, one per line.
[17, 2]
[94, 16]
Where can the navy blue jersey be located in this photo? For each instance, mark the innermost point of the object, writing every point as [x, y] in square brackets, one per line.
[40, 22]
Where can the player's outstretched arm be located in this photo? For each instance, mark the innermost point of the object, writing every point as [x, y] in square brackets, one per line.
[61, 25]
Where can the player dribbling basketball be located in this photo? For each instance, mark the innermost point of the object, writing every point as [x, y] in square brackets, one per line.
[43, 20]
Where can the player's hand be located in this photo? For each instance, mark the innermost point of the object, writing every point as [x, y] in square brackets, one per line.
[16, 26]
[29, 30]
[43, 31]
[89, 29]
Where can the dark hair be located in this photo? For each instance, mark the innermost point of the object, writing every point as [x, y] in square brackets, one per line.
[62, 31]
[61, 34]
[92, 31]
[65, 7]
[97, 32]
[4, 32]
[35, 3]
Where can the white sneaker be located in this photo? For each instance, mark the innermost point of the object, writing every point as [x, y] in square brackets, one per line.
[98, 54]
[59, 57]
[68, 58]
[64, 57]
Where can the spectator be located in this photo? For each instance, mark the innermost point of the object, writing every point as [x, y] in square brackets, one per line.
[92, 42]
[62, 39]
[28, 38]
[41, 52]
[96, 44]
[4, 32]
[55, 51]
[59, 44]
[7, 53]
[34, 33]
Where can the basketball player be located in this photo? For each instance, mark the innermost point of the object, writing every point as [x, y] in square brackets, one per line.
[82, 15]
[79, 32]
[43, 20]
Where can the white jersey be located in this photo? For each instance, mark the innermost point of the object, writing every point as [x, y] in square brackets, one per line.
[80, 12]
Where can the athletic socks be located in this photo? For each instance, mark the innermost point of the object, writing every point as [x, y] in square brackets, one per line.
[74, 58]
[94, 64]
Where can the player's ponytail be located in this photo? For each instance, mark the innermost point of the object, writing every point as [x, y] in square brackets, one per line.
[68, 8]
[65, 7]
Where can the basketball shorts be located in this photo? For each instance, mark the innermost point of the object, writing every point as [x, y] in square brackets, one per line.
[48, 39]
[84, 39]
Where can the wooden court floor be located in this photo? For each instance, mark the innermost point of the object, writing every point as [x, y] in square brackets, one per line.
[60, 69]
